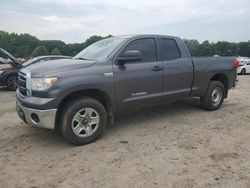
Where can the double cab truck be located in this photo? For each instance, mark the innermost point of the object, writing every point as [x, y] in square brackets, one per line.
[79, 96]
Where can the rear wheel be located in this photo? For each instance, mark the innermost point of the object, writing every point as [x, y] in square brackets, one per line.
[12, 82]
[83, 121]
[243, 71]
[214, 96]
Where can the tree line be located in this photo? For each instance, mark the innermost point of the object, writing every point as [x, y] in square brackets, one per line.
[25, 45]
[221, 48]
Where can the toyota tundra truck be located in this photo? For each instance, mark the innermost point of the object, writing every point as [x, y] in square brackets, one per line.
[79, 96]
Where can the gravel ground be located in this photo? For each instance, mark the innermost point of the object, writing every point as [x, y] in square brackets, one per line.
[177, 145]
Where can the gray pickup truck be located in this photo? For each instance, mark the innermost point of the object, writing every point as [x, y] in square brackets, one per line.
[79, 96]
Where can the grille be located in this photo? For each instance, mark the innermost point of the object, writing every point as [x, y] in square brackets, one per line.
[22, 79]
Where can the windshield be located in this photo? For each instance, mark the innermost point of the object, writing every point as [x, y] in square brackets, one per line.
[29, 62]
[100, 50]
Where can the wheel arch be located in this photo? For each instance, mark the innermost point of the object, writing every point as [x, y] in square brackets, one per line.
[97, 94]
[243, 69]
[223, 79]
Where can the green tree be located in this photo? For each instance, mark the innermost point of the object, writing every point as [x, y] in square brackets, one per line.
[52, 44]
[73, 49]
[23, 45]
[56, 51]
[194, 46]
[39, 50]
[244, 49]
[19, 45]
[206, 48]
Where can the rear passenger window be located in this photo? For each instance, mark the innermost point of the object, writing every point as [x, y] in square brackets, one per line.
[170, 49]
[145, 46]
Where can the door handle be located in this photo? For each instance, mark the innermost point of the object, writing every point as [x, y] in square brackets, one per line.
[157, 68]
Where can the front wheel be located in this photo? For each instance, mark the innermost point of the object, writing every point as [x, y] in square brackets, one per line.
[12, 82]
[83, 121]
[214, 96]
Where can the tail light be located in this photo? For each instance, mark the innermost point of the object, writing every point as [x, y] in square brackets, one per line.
[236, 63]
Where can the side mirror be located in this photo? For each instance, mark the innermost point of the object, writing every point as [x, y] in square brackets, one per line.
[129, 56]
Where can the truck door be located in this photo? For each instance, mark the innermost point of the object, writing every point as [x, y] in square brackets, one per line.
[178, 71]
[139, 82]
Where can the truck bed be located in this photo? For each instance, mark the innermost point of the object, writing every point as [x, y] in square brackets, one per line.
[207, 67]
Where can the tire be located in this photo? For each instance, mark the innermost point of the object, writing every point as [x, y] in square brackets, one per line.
[243, 72]
[214, 96]
[79, 121]
[11, 82]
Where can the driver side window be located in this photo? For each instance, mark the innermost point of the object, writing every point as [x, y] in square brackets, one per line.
[146, 46]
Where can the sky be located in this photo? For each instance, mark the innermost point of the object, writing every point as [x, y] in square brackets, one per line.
[73, 21]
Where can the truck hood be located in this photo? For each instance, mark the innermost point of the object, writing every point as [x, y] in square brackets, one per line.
[52, 67]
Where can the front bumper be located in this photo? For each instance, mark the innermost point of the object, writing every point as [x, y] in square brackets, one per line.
[35, 117]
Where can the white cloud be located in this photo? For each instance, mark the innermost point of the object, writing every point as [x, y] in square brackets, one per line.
[74, 20]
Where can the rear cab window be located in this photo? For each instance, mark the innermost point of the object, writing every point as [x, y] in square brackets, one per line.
[170, 49]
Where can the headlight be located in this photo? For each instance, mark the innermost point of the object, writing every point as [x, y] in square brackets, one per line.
[1, 72]
[41, 84]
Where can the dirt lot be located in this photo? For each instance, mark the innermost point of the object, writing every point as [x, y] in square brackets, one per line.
[177, 145]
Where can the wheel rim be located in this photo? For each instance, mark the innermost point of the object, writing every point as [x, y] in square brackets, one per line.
[216, 96]
[85, 122]
[12, 83]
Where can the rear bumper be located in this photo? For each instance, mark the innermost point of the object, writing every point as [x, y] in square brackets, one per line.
[35, 117]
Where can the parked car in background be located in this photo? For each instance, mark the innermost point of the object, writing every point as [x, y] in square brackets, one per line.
[9, 75]
[244, 67]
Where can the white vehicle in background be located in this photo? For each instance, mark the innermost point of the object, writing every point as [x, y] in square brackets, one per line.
[244, 67]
